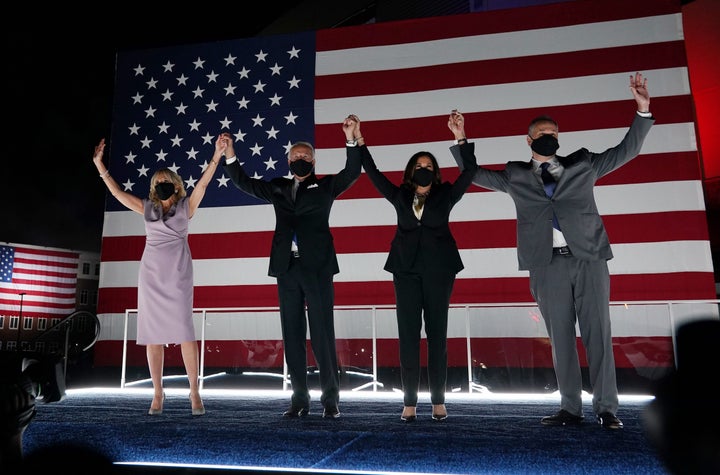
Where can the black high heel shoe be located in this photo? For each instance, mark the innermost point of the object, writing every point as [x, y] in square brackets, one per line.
[408, 417]
[439, 412]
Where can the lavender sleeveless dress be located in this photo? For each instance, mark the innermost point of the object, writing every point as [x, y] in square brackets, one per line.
[165, 281]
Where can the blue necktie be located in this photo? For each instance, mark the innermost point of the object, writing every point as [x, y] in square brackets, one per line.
[549, 184]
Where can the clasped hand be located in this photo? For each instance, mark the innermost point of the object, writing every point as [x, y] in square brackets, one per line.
[456, 124]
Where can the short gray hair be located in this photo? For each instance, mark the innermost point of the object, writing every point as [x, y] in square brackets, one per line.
[301, 144]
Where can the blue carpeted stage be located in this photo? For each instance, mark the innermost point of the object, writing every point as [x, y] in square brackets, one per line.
[243, 431]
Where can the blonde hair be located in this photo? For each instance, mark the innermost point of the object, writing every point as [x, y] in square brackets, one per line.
[171, 176]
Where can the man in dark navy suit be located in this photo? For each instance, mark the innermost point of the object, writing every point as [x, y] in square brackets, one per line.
[304, 262]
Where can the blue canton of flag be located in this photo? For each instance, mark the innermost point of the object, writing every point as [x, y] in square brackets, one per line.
[7, 257]
[172, 103]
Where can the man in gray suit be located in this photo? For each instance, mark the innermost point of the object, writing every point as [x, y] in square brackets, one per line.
[562, 242]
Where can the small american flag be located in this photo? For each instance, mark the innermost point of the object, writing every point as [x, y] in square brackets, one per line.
[46, 277]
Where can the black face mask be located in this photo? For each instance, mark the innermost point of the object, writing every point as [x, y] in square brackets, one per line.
[164, 190]
[301, 168]
[423, 176]
[545, 145]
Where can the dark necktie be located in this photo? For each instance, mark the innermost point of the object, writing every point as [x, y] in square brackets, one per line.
[294, 247]
[549, 184]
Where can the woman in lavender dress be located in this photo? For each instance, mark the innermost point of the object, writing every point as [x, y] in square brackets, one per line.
[165, 281]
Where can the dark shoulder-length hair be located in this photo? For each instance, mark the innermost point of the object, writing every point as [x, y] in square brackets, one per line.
[410, 169]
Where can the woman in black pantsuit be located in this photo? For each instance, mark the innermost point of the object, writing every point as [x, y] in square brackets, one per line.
[424, 260]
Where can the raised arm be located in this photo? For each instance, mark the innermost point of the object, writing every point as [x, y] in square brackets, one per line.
[221, 144]
[259, 188]
[381, 183]
[130, 201]
[351, 127]
[456, 124]
[345, 178]
[638, 87]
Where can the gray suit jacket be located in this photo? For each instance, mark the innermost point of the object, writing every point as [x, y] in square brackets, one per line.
[573, 201]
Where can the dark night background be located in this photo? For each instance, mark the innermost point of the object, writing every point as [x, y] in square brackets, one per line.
[59, 69]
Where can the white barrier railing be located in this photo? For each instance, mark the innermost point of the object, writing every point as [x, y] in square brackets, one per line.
[672, 324]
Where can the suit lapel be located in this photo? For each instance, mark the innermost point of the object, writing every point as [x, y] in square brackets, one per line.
[288, 190]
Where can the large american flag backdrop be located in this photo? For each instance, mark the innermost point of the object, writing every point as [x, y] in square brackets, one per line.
[571, 60]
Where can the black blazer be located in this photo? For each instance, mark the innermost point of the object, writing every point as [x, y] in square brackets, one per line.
[308, 216]
[429, 238]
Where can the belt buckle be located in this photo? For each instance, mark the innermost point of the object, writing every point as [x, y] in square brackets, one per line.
[563, 251]
[295, 254]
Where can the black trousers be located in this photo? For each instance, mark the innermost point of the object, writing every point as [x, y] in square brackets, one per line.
[296, 289]
[423, 296]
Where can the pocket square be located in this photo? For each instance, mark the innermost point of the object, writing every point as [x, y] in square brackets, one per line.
[314, 185]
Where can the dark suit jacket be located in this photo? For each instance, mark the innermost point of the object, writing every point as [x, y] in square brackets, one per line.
[308, 216]
[573, 201]
[430, 235]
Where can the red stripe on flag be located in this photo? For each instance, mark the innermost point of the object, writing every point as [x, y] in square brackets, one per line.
[502, 71]
[675, 166]
[47, 283]
[673, 286]
[46, 255]
[630, 228]
[498, 21]
[50, 263]
[571, 118]
[44, 275]
[28, 302]
[635, 287]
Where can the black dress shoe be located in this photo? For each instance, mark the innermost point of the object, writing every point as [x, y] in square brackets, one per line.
[562, 418]
[296, 412]
[609, 421]
[331, 412]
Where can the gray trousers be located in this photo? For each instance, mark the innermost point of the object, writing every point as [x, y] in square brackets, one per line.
[567, 291]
